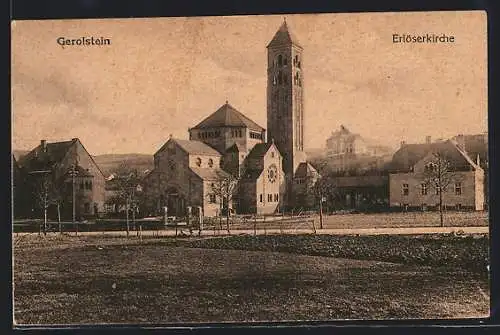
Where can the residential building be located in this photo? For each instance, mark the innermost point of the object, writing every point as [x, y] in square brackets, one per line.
[348, 152]
[409, 185]
[72, 174]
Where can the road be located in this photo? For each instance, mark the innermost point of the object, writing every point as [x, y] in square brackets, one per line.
[343, 231]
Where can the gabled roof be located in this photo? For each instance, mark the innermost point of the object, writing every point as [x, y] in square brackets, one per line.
[475, 145]
[259, 150]
[235, 148]
[228, 116]
[284, 37]
[209, 174]
[192, 147]
[410, 154]
[305, 169]
[38, 159]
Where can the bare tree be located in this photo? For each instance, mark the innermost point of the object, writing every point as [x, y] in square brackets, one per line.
[127, 180]
[323, 188]
[224, 188]
[46, 193]
[439, 174]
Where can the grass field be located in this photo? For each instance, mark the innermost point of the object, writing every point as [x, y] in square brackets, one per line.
[62, 279]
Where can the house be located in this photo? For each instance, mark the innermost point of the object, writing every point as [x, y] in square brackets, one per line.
[72, 173]
[409, 186]
[347, 152]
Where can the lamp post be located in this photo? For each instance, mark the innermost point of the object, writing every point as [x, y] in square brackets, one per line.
[74, 173]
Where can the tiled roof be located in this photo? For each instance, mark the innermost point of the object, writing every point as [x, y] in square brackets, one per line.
[305, 170]
[209, 174]
[283, 36]
[235, 148]
[228, 116]
[476, 145]
[196, 147]
[259, 150]
[38, 159]
[408, 155]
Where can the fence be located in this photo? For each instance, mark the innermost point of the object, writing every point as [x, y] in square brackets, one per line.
[217, 225]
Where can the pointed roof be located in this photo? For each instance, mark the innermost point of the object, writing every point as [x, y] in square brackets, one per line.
[228, 116]
[196, 147]
[305, 169]
[284, 37]
[40, 158]
[410, 154]
[259, 150]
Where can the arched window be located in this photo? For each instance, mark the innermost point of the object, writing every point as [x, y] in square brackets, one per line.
[280, 78]
[280, 60]
[285, 61]
[210, 163]
[198, 161]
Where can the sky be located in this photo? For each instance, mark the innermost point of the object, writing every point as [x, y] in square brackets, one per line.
[160, 76]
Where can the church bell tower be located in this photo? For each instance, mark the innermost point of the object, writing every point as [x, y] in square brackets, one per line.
[285, 100]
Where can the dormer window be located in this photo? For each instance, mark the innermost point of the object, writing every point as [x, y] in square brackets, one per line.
[210, 162]
[198, 161]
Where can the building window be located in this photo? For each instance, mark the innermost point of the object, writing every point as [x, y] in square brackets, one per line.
[240, 133]
[280, 78]
[269, 198]
[458, 207]
[272, 154]
[210, 163]
[212, 198]
[276, 198]
[198, 161]
[82, 186]
[87, 207]
[424, 189]
[261, 198]
[458, 188]
[280, 60]
[406, 189]
[285, 61]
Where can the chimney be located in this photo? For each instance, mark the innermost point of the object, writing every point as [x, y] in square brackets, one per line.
[428, 140]
[43, 145]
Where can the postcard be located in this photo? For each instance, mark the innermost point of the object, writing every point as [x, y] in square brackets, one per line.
[243, 169]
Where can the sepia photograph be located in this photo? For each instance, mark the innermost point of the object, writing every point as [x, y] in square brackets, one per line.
[250, 168]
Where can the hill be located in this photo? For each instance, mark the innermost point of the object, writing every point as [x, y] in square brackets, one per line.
[109, 162]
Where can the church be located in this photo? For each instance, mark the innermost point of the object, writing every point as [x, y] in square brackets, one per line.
[268, 168]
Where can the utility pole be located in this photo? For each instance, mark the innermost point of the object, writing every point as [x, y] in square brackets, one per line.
[321, 212]
[73, 183]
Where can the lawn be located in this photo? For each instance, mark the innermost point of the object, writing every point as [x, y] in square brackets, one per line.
[60, 280]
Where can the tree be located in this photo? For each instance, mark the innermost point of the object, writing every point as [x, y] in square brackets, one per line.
[224, 188]
[127, 180]
[323, 188]
[439, 174]
[46, 193]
